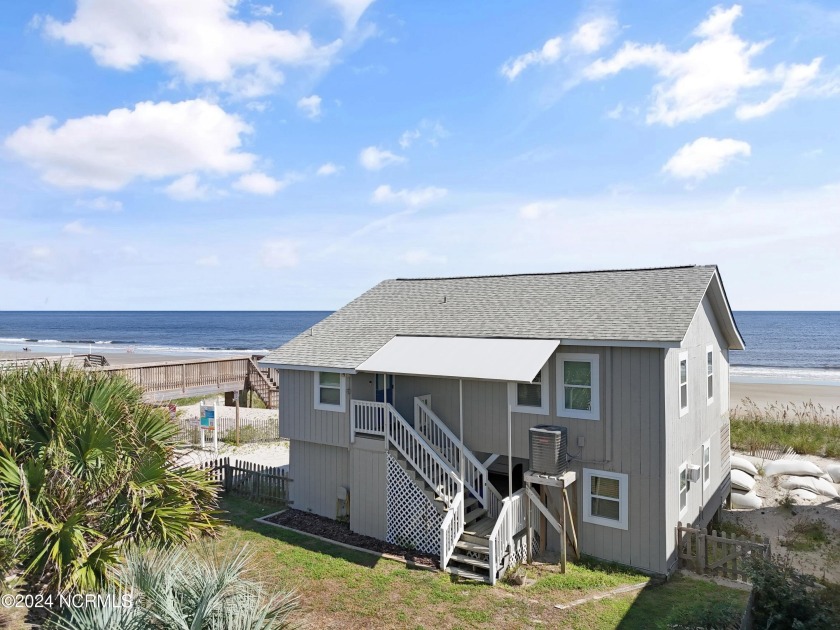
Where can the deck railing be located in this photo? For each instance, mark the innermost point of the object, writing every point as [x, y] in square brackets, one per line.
[510, 522]
[366, 417]
[175, 376]
[451, 529]
[431, 427]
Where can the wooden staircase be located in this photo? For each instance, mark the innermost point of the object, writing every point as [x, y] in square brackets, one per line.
[471, 559]
[263, 385]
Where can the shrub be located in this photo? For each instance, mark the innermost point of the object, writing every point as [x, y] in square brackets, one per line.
[86, 468]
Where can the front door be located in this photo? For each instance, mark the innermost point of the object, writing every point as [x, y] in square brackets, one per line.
[388, 391]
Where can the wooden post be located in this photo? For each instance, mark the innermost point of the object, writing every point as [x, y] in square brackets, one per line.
[237, 417]
[700, 564]
[563, 545]
[543, 524]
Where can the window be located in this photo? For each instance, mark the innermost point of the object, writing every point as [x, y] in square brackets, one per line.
[329, 391]
[707, 463]
[605, 498]
[530, 397]
[683, 489]
[578, 393]
[710, 374]
[683, 384]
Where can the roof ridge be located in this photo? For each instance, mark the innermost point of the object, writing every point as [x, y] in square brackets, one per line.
[554, 273]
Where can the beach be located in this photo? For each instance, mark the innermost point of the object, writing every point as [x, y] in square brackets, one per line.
[783, 393]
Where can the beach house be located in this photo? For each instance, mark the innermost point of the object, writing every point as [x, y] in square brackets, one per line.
[410, 411]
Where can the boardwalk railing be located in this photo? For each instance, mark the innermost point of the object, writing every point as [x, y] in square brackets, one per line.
[718, 553]
[177, 377]
[254, 481]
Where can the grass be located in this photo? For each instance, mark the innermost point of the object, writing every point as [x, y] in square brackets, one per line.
[344, 588]
[806, 535]
[807, 428]
[256, 402]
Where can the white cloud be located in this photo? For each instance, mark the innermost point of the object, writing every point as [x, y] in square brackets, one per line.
[587, 39]
[537, 209]
[208, 261]
[151, 141]
[374, 158]
[187, 188]
[712, 75]
[261, 184]
[616, 112]
[102, 204]
[76, 227]
[328, 169]
[705, 156]
[414, 198]
[264, 10]
[431, 130]
[351, 10]
[279, 254]
[422, 257]
[201, 41]
[311, 106]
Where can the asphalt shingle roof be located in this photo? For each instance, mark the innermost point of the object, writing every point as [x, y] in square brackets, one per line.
[654, 305]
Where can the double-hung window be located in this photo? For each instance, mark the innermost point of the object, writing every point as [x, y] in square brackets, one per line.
[683, 489]
[578, 391]
[329, 391]
[605, 498]
[530, 397]
[683, 383]
[707, 463]
[710, 374]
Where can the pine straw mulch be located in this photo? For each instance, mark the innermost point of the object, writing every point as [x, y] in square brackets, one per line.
[340, 532]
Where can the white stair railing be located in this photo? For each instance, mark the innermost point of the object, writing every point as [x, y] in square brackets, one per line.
[510, 522]
[451, 529]
[366, 417]
[436, 433]
[429, 465]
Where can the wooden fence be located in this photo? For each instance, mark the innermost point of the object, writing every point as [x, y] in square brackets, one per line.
[718, 553]
[254, 481]
[251, 430]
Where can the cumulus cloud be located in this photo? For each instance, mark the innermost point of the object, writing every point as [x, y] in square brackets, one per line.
[76, 228]
[279, 254]
[258, 183]
[311, 106]
[432, 131]
[201, 41]
[374, 158]
[589, 38]
[187, 188]
[414, 198]
[713, 74]
[705, 156]
[100, 204]
[328, 169]
[151, 141]
[351, 10]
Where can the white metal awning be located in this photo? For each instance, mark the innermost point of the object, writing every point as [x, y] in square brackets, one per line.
[462, 357]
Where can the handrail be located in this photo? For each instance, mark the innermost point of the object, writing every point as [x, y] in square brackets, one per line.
[366, 417]
[263, 387]
[441, 437]
[494, 501]
[181, 375]
[437, 473]
[451, 529]
[510, 522]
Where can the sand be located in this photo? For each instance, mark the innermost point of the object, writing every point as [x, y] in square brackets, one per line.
[768, 393]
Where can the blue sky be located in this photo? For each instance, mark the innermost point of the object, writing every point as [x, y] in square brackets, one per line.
[214, 154]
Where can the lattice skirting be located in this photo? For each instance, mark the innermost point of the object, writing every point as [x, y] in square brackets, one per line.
[520, 546]
[413, 521]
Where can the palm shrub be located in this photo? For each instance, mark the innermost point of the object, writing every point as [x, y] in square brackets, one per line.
[197, 589]
[85, 469]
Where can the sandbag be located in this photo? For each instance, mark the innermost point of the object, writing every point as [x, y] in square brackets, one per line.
[834, 472]
[814, 484]
[745, 500]
[798, 467]
[742, 481]
[800, 494]
[739, 463]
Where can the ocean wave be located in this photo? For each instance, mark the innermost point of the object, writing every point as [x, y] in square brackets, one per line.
[828, 376]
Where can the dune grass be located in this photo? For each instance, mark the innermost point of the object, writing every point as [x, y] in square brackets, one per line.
[806, 428]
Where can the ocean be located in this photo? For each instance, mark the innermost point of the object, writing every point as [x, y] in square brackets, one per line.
[782, 346]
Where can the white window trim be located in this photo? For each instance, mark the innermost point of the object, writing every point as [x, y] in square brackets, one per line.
[683, 357]
[683, 467]
[342, 384]
[513, 397]
[595, 412]
[623, 502]
[707, 446]
[710, 348]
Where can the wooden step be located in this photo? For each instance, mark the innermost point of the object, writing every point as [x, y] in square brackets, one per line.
[474, 515]
[474, 547]
[470, 503]
[465, 559]
[470, 575]
[478, 540]
[482, 527]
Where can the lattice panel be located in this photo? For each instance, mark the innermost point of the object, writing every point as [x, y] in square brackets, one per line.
[413, 520]
[520, 546]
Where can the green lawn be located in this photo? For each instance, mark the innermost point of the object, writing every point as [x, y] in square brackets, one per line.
[344, 588]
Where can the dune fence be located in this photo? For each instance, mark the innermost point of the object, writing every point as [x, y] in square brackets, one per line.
[266, 484]
[248, 431]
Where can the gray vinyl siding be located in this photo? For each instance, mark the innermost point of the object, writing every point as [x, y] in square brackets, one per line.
[368, 487]
[299, 420]
[317, 471]
[703, 422]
